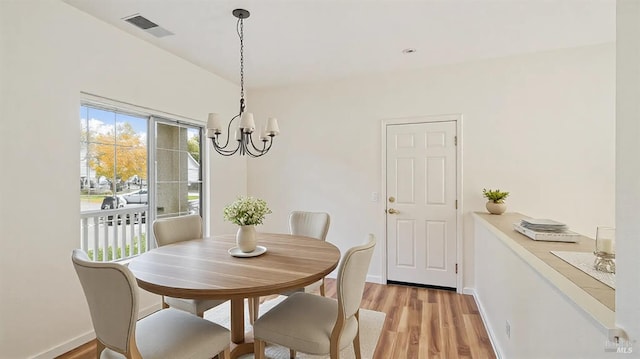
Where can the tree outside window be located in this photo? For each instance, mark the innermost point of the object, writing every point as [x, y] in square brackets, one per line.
[113, 156]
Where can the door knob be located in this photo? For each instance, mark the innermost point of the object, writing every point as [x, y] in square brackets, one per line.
[392, 211]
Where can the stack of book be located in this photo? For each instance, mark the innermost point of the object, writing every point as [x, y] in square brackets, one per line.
[546, 230]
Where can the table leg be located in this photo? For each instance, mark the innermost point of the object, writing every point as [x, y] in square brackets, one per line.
[237, 321]
[241, 342]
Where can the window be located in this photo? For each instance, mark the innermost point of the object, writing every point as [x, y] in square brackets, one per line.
[113, 155]
[128, 177]
[179, 181]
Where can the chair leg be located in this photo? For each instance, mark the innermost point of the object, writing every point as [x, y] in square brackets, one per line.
[254, 309]
[322, 288]
[356, 339]
[258, 348]
[99, 348]
[164, 304]
[334, 351]
[292, 354]
[225, 354]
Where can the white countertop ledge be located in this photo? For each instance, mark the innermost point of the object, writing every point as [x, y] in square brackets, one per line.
[597, 310]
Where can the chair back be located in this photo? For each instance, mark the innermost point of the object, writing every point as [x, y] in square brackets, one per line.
[352, 274]
[112, 295]
[177, 229]
[309, 224]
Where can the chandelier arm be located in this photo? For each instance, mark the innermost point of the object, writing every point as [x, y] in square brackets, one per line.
[270, 143]
[264, 144]
[263, 151]
[226, 153]
[222, 150]
[228, 133]
[254, 155]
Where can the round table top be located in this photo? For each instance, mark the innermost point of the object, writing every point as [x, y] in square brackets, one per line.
[203, 268]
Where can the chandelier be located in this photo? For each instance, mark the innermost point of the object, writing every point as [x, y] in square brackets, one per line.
[247, 126]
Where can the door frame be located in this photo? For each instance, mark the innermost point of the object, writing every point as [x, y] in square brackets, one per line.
[457, 118]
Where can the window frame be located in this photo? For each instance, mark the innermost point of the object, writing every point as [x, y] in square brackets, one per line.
[153, 117]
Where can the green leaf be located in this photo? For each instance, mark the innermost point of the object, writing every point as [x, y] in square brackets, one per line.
[495, 196]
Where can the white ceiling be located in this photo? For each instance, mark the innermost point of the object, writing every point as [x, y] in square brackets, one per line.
[296, 41]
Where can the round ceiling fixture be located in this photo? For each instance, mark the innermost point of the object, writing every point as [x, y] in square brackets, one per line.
[241, 13]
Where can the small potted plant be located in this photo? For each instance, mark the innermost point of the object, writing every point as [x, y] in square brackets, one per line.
[246, 212]
[495, 203]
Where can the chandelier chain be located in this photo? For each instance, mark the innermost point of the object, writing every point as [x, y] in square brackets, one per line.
[241, 23]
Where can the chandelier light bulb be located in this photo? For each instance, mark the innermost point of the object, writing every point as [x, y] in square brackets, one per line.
[272, 127]
[214, 123]
[247, 124]
[264, 136]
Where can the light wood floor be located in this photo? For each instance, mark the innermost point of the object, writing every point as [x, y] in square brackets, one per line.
[420, 324]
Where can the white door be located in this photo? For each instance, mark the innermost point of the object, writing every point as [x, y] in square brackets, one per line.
[421, 203]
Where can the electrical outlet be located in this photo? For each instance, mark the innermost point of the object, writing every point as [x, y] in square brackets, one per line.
[507, 329]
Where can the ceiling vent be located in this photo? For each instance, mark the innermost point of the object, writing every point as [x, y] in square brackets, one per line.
[147, 25]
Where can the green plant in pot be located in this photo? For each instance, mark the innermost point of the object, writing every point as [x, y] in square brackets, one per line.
[495, 203]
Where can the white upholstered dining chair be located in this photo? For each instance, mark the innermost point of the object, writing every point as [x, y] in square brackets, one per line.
[308, 224]
[178, 229]
[112, 295]
[314, 225]
[318, 325]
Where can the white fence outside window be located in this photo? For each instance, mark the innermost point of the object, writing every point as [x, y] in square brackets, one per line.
[115, 234]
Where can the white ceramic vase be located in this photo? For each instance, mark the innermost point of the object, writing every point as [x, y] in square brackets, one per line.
[246, 238]
[496, 208]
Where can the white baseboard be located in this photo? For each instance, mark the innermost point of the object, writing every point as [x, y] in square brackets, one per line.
[85, 338]
[492, 336]
[67, 346]
[149, 310]
[469, 291]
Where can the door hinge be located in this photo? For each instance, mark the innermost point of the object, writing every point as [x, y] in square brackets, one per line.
[456, 268]
[455, 140]
[456, 204]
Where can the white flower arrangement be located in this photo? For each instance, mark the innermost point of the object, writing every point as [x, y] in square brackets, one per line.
[246, 211]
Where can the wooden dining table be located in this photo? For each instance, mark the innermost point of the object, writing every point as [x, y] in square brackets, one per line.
[204, 269]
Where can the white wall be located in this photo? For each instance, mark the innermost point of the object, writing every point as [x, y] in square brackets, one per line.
[50, 52]
[540, 126]
[628, 170]
[544, 322]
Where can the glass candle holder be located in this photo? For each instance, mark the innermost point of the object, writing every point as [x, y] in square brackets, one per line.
[605, 251]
